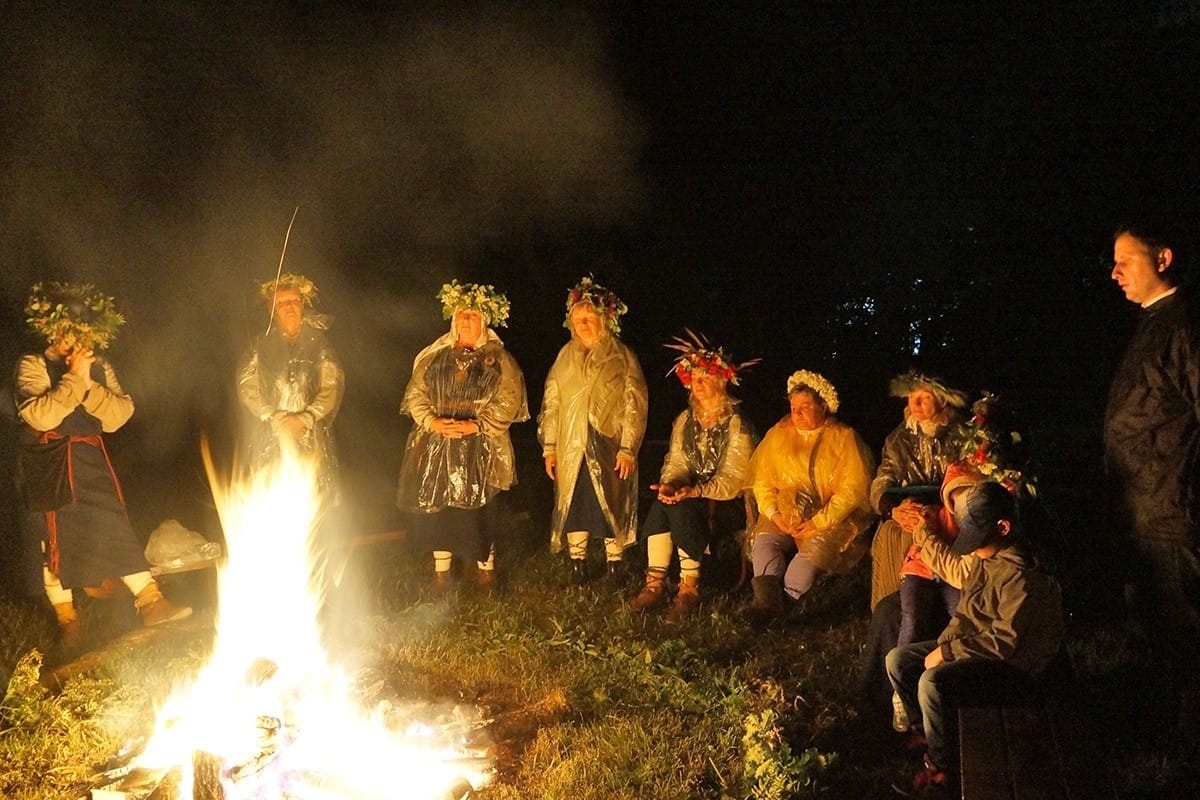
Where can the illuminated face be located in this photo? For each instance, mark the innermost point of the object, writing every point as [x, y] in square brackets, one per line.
[586, 324]
[1136, 269]
[289, 311]
[469, 326]
[808, 412]
[707, 388]
[922, 405]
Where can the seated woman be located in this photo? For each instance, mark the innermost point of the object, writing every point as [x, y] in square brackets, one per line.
[810, 479]
[913, 464]
[708, 459]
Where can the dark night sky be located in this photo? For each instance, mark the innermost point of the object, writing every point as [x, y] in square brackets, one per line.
[766, 173]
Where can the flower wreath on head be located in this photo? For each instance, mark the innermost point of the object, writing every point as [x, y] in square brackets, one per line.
[911, 381]
[75, 313]
[606, 303]
[996, 451]
[698, 354]
[307, 289]
[812, 380]
[492, 305]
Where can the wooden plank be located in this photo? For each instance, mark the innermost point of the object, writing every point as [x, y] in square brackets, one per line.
[984, 770]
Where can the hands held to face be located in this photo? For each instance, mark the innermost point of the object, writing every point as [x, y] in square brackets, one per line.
[79, 362]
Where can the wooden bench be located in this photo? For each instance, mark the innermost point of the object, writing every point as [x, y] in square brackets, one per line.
[1042, 752]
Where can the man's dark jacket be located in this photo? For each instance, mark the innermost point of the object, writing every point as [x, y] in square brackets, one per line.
[1152, 426]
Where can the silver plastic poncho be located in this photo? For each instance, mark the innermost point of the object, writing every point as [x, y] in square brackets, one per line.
[715, 460]
[303, 376]
[594, 408]
[483, 384]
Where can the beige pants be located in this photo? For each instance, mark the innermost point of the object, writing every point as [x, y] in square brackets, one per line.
[888, 549]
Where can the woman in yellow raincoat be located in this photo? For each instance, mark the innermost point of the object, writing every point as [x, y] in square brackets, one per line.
[590, 427]
[811, 474]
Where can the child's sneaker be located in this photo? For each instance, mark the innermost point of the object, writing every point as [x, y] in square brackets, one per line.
[899, 715]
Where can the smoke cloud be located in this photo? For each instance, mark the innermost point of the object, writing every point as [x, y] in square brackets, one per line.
[159, 152]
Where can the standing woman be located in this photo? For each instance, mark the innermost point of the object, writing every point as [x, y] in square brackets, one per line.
[465, 392]
[810, 480]
[68, 397]
[708, 459]
[291, 383]
[590, 427]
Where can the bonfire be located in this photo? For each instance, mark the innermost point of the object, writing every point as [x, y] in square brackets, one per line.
[271, 714]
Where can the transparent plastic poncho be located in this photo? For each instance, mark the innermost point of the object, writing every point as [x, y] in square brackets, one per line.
[715, 460]
[301, 376]
[483, 384]
[822, 476]
[593, 409]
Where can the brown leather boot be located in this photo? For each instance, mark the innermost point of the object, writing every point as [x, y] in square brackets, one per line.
[156, 609]
[442, 584]
[654, 593]
[109, 587]
[686, 599]
[68, 623]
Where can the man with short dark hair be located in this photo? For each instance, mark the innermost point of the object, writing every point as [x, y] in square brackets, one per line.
[1152, 452]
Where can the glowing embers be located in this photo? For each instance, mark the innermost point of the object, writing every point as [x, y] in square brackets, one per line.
[270, 716]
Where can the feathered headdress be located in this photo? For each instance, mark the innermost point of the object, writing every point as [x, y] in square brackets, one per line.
[805, 379]
[607, 304]
[492, 305]
[697, 354]
[75, 313]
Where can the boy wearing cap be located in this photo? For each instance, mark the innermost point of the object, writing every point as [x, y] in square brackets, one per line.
[1007, 628]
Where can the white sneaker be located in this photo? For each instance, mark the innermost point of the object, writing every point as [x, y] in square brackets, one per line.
[899, 715]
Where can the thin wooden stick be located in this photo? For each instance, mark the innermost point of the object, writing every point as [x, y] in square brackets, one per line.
[279, 271]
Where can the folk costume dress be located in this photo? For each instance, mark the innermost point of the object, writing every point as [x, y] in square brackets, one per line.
[594, 408]
[715, 460]
[301, 375]
[441, 477]
[76, 522]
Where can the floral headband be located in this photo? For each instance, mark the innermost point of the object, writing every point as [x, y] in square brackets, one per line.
[804, 379]
[698, 354]
[985, 446]
[911, 381]
[307, 289]
[74, 313]
[492, 305]
[606, 303]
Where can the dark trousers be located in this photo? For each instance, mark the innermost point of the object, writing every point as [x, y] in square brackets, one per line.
[932, 697]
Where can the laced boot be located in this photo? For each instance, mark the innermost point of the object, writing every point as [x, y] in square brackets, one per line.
[486, 579]
[68, 623]
[686, 600]
[579, 575]
[156, 609]
[441, 585]
[654, 593]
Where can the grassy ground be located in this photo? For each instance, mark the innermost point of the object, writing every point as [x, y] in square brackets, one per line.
[589, 699]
